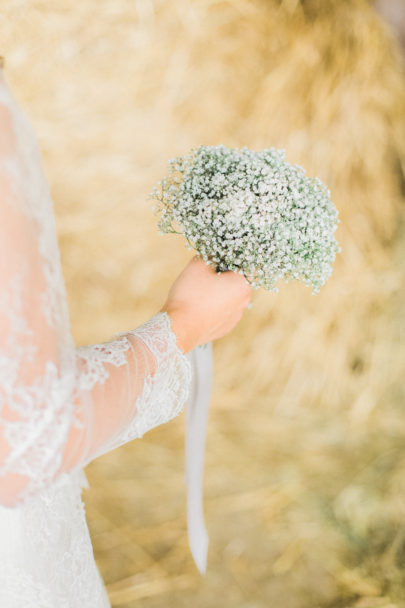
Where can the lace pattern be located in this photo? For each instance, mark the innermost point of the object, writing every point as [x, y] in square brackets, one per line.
[51, 564]
[169, 388]
[164, 393]
[96, 356]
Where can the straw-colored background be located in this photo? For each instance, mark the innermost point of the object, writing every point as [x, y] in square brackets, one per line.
[305, 465]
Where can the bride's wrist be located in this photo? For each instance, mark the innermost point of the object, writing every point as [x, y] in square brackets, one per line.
[179, 327]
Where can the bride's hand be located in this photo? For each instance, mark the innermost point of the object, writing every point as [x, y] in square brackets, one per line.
[204, 305]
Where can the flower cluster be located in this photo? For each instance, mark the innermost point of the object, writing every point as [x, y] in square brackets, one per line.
[252, 213]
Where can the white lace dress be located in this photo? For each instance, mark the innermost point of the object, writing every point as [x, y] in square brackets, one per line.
[60, 407]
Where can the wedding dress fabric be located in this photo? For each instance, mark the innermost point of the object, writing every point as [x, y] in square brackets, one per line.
[60, 406]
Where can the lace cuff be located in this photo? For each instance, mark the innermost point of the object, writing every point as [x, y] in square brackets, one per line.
[165, 393]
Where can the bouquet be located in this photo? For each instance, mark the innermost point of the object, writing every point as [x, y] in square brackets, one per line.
[252, 213]
[255, 214]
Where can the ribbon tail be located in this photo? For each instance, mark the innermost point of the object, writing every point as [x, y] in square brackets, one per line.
[196, 429]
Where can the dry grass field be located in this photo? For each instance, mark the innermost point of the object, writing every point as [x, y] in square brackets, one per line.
[305, 463]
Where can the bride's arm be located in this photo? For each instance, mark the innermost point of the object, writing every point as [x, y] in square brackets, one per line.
[60, 407]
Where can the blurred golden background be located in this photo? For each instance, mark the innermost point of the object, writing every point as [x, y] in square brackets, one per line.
[305, 463]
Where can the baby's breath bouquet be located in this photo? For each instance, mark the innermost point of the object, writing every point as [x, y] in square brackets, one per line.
[250, 212]
[253, 213]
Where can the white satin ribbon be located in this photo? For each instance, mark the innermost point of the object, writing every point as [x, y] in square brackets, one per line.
[196, 429]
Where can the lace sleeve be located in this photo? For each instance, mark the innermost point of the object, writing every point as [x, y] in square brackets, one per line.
[60, 407]
[142, 374]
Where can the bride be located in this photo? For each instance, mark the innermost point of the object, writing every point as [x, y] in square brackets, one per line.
[62, 406]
